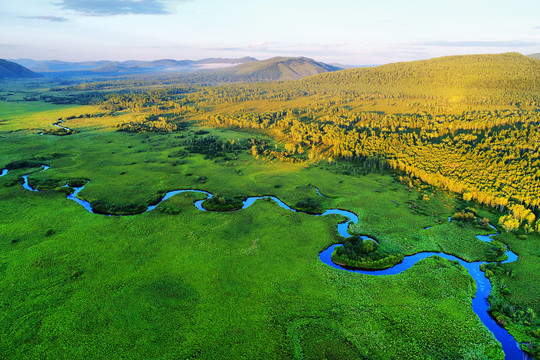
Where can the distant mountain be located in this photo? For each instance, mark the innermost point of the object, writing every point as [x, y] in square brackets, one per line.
[280, 68]
[211, 70]
[535, 56]
[11, 70]
[103, 67]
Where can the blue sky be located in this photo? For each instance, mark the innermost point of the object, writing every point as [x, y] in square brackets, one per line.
[344, 31]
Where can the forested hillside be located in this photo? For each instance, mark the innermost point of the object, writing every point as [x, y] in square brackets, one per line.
[12, 70]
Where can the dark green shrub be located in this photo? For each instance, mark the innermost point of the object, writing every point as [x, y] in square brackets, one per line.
[364, 254]
[103, 207]
[45, 184]
[77, 182]
[20, 164]
[13, 182]
[169, 210]
[309, 205]
[222, 203]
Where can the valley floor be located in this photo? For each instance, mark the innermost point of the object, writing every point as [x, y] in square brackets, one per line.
[176, 282]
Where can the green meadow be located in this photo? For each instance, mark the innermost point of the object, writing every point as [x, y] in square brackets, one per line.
[179, 283]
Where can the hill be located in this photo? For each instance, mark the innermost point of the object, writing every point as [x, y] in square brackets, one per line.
[11, 70]
[465, 76]
[274, 69]
[535, 56]
[281, 68]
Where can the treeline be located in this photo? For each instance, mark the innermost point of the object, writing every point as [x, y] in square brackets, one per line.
[146, 124]
[212, 146]
[82, 98]
[160, 99]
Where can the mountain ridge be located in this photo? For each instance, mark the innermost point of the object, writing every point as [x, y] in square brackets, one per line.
[12, 70]
[212, 70]
[125, 67]
[280, 68]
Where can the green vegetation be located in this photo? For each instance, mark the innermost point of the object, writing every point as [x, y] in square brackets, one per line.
[222, 203]
[364, 254]
[146, 124]
[9, 69]
[522, 320]
[385, 143]
[490, 156]
[142, 286]
[310, 205]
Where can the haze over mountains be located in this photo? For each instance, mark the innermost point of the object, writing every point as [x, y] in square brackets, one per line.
[239, 69]
[248, 69]
[129, 66]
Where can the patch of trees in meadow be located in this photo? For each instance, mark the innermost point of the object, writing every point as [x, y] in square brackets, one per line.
[364, 254]
[144, 124]
[222, 203]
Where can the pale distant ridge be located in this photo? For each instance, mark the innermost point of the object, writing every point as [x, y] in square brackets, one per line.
[218, 70]
[126, 67]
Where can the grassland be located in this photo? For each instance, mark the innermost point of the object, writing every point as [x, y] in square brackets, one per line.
[244, 284]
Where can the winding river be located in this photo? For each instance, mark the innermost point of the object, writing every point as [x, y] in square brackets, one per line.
[480, 304]
[58, 125]
[60, 121]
